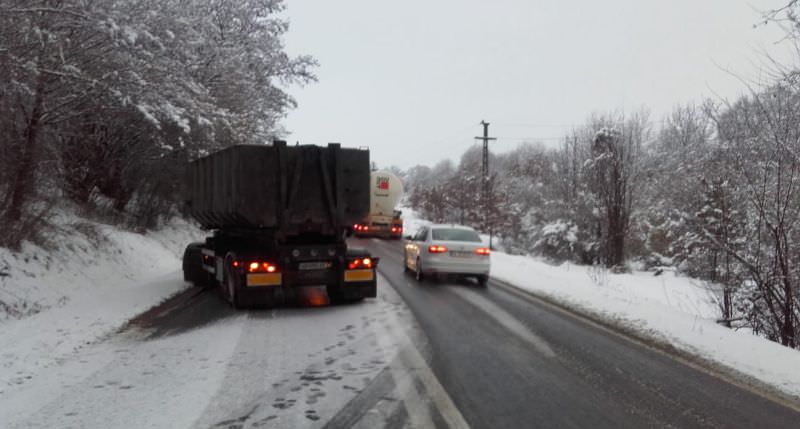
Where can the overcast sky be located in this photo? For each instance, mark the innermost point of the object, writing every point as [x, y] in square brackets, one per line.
[412, 79]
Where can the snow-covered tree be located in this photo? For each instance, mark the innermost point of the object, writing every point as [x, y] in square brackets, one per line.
[114, 94]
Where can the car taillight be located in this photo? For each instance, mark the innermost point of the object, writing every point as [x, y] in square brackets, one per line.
[261, 267]
[360, 263]
[482, 251]
[437, 249]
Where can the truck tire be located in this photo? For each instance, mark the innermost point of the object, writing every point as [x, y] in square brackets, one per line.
[231, 283]
[335, 294]
[193, 271]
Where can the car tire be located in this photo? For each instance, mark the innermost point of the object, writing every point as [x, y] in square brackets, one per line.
[418, 274]
[483, 280]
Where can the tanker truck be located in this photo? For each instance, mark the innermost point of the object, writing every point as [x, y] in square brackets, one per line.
[383, 220]
[279, 216]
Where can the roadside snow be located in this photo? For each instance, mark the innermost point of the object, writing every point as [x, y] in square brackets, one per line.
[55, 302]
[286, 367]
[668, 307]
[411, 221]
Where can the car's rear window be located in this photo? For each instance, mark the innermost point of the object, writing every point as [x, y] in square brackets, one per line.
[452, 234]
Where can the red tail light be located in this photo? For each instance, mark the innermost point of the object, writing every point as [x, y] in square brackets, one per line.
[437, 249]
[483, 251]
[360, 263]
[261, 267]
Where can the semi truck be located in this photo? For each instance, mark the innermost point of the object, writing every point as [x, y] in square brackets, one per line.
[279, 216]
[383, 220]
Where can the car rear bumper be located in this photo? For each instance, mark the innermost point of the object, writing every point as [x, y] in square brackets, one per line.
[448, 267]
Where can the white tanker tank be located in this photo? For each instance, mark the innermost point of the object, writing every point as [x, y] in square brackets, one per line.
[384, 220]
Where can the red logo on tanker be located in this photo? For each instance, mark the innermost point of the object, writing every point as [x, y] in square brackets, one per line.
[383, 183]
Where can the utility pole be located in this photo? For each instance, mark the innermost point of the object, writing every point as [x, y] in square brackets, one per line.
[485, 176]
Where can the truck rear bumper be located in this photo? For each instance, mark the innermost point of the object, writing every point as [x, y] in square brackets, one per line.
[378, 233]
[351, 291]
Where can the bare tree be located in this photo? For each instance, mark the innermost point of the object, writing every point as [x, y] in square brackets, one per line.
[763, 137]
[614, 170]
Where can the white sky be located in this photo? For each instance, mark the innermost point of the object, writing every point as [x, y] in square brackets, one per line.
[412, 79]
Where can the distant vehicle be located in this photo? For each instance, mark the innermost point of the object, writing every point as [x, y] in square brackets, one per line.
[280, 215]
[383, 220]
[447, 249]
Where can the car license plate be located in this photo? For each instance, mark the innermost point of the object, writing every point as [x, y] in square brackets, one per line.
[314, 265]
[458, 254]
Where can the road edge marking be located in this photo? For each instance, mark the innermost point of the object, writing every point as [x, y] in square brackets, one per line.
[700, 363]
[408, 352]
[507, 320]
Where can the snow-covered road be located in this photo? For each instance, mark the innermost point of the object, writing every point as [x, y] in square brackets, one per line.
[430, 354]
[205, 365]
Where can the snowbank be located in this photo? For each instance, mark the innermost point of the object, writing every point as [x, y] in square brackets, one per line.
[411, 221]
[94, 279]
[669, 307]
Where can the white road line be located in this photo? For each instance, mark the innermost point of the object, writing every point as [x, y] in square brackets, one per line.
[410, 364]
[505, 319]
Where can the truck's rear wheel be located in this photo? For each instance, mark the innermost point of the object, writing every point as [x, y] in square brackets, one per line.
[231, 283]
[193, 271]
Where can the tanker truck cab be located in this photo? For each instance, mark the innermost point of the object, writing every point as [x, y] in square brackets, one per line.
[266, 247]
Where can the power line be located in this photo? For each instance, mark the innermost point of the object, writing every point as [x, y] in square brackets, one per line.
[533, 125]
[532, 138]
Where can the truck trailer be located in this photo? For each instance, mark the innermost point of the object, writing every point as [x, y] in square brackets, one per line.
[279, 217]
[383, 220]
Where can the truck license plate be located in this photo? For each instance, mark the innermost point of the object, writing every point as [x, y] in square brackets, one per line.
[358, 275]
[314, 265]
[265, 279]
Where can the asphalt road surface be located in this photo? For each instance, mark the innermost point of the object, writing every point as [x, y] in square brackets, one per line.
[431, 354]
[508, 362]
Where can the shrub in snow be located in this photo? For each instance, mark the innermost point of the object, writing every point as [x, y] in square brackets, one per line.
[559, 240]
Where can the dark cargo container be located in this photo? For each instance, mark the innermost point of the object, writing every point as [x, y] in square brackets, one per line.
[280, 215]
[292, 189]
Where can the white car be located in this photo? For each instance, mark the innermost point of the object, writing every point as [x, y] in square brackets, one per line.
[447, 249]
